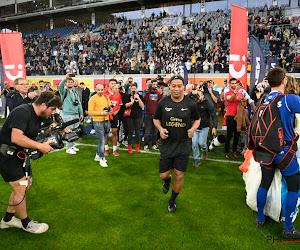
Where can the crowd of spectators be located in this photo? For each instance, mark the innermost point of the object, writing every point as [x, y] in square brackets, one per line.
[129, 49]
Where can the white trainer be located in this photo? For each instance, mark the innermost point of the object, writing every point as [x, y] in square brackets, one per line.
[75, 149]
[14, 222]
[71, 151]
[97, 158]
[103, 163]
[36, 228]
[93, 131]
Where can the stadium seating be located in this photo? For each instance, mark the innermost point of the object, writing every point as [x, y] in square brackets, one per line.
[137, 58]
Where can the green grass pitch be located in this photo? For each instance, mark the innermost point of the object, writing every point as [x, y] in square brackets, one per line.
[123, 206]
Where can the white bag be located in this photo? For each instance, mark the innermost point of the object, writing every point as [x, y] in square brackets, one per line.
[252, 181]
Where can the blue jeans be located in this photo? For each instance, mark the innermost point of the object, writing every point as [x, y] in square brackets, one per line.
[67, 118]
[199, 139]
[102, 130]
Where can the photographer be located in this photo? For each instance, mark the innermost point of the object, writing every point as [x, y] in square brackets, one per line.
[20, 95]
[206, 110]
[98, 108]
[6, 89]
[262, 88]
[209, 93]
[72, 107]
[232, 98]
[116, 100]
[135, 102]
[18, 132]
[151, 98]
[128, 84]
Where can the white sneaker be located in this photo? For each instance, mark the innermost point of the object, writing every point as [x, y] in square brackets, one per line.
[75, 149]
[36, 228]
[14, 222]
[97, 157]
[118, 144]
[93, 131]
[71, 151]
[146, 148]
[103, 163]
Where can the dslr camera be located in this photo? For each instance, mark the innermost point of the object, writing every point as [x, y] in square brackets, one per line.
[205, 86]
[195, 97]
[109, 108]
[75, 103]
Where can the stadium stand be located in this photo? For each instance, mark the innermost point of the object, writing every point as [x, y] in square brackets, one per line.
[145, 46]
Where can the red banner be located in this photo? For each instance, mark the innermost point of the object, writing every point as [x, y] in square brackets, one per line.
[12, 56]
[238, 44]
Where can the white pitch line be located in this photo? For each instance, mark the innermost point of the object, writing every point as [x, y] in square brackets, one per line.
[157, 153]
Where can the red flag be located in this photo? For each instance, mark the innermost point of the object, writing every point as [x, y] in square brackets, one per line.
[12, 56]
[238, 44]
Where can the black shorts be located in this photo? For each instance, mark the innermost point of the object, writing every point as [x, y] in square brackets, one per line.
[180, 163]
[114, 122]
[11, 169]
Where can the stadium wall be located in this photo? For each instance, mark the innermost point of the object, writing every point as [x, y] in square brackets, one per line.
[91, 80]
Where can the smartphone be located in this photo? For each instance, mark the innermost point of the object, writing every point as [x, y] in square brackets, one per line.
[133, 93]
[240, 83]
[71, 75]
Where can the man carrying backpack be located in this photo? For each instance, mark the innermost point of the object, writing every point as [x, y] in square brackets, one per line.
[287, 106]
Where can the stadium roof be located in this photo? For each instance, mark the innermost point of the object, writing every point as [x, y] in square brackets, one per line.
[89, 7]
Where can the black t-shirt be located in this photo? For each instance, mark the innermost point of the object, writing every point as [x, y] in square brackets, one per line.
[177, 118]
[24, 118]
[136, 110]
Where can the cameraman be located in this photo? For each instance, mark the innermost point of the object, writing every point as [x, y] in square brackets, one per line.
[6, 89]
[206, 110]
[151, 98]
[20, 95]
[19, 130]
[262, 88]
[209, 93]
[72, 108]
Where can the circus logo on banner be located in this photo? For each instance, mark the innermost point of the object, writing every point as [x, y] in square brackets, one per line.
[238, 44]
[12, 56]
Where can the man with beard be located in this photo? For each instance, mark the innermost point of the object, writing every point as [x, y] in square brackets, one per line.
[71, 107]
[97, 105]
[18, 132]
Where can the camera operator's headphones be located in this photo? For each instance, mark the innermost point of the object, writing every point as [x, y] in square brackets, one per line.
[48, 104]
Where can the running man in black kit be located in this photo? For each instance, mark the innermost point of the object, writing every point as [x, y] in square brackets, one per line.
[176, 118]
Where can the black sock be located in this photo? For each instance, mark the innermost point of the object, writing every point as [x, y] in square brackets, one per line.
[168, 180]
[8, 216]
[173, 198]
[25, 222]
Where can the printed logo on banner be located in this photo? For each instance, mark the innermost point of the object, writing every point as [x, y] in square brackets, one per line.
[8, 71]
[12, 56]
[233, 72]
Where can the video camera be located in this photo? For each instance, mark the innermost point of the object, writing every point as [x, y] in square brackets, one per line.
[55, 135]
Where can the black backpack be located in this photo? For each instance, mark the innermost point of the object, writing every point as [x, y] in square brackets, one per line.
[266, 136]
